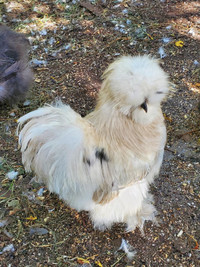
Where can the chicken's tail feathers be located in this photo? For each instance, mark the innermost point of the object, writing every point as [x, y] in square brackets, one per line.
[47, 113]
[55, 145]
[50, 124]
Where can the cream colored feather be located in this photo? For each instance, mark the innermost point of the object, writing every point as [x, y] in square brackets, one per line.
[103, 163]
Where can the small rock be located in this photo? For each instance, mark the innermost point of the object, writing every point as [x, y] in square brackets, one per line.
[37, 80]
[9, 248]
[40, 192]
[169, 27]
[192, 32]
[26, 103]
[67, 47]
[166, 40]
[162, 53]
[38, 231]
[180, 233]
[51, 210]
[3, 223]
[34, 47]
[128, 22]
[123, 31]
[43, 32]
[116, 6]
[125, 11]
[12, 175]
[51, 41]
[37, 62]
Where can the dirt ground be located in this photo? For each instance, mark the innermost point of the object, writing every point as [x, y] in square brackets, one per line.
[72, 42]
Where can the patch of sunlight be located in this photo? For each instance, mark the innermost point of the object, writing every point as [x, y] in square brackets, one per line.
[14, 6]
[194, 87]
[187, 20]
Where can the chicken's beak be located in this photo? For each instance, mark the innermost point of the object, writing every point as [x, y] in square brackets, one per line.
[144, 106]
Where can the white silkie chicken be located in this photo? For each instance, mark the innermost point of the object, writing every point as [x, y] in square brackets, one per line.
[103, 163]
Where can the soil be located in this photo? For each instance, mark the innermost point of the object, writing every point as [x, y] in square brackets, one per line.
[76, 40]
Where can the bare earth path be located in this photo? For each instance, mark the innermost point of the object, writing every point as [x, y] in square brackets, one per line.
[71, 44]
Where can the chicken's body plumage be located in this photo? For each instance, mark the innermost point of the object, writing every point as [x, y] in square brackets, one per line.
[15, 74]
[103, 163]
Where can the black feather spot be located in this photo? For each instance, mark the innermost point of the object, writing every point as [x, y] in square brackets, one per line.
[86, 161]
[159, 92]
[101, 155]
[27, 145]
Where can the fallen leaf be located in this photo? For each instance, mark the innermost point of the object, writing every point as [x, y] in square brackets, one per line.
[82, 261]
[98, 263]
[31, 218]
[167, 118]
[12, 212]
[179, 43]
[149, 36]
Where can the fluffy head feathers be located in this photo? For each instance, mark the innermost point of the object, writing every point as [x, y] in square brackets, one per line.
[130, 82]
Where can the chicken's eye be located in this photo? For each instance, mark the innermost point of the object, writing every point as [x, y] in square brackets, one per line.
[144, 105]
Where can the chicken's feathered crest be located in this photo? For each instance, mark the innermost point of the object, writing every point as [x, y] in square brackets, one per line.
[131, 81]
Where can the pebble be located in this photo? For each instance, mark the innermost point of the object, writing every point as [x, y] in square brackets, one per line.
[180, 233]
[37, 62]
[40, 191]
[169, 27]
[162, 53]
[196, 62]
[3, 223]
[43, 32]
[26, 103]
[166, 40]
[8, 248]
[12, 175]
[38, 231]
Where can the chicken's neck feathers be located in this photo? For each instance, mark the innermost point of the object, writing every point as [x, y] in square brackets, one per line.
[118, 131]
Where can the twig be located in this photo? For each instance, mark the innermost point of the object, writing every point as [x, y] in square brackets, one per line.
[118, 260]
[189, 132]
[167, 149]
[48, 245]
[194, 239]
